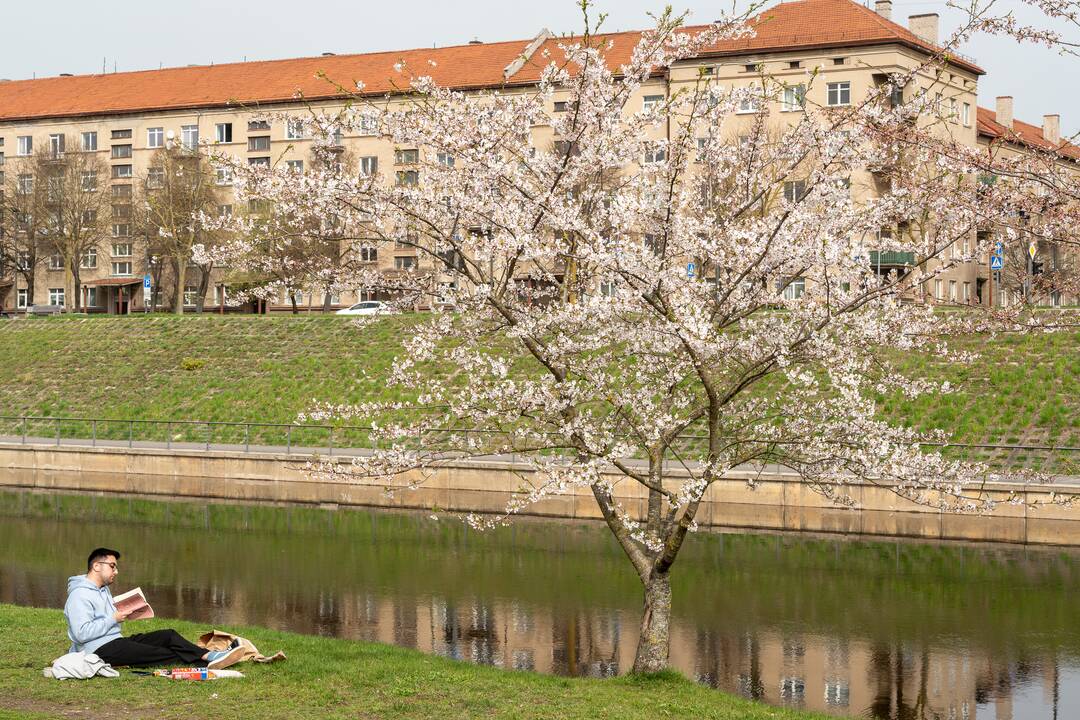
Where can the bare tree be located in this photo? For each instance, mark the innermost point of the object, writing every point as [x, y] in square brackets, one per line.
[179, 191]
[22, 224]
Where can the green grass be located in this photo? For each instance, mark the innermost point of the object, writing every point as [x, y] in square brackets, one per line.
[331, 678]
[1022, 390]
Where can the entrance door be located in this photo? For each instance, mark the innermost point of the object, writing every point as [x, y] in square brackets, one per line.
[121, 301]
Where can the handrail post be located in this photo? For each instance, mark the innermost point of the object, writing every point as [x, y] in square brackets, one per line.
[58, 431]
[288, 440]
[93, 440]
[331, 441]
[247, 437]
[131, 432]
[168, 435]
[24, 430]
[208, 437]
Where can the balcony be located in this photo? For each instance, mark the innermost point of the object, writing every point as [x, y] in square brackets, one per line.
[891, 258]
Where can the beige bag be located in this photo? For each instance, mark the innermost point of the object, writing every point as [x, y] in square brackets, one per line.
[220, 640]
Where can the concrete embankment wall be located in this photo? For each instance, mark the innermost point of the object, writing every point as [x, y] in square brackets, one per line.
[777, 503]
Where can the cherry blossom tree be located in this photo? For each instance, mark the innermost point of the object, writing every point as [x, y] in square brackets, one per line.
[649, 298]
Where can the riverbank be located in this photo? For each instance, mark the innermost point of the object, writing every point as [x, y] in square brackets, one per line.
[329, 678]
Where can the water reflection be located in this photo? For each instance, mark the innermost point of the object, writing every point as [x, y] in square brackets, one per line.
[876, 629]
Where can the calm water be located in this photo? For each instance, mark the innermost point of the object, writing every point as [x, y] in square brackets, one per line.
[885, 630]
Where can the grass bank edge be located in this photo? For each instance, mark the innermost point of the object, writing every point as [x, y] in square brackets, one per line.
[331, 678]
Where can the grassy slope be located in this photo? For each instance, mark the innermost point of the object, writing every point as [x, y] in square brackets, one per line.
[329, 678]
[259, 369]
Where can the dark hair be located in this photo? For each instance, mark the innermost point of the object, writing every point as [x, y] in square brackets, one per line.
[99, 554]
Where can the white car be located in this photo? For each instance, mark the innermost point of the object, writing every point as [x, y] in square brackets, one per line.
[368, 307]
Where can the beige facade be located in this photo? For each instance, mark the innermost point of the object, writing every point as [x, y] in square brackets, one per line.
[128, 142]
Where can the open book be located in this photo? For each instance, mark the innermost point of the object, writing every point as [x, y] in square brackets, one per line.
[135, 603]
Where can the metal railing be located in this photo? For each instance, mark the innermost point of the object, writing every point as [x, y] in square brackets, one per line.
[330, 440]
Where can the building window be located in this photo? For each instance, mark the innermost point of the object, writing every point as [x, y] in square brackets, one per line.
[223, 133]
[121, 134]
[26, 183]
[121, 249]
[369, 165]
[223, 175]
[404, 263]
[155, 137]
[121, 212]
[90, 297]
[966, 297]
[121, 191]
[561, 106]
[408, 177]
[56, 145]
[89, 141]
[89, 218]
[220, 292]
[794, 98]
[297, 166]
[122, 268]
[369, 125]
[655, 155]
[839, 93]
[89, 259]
[224, 211]
[792, 690]
[965, 114]
[837, 693]
[21, 298]
[257, 125]
[189, 136]
[88, 180]
[25, 145]
[748, 104]
[369, 253]
[794, 190]
[294, 129]
[259, 161]
[56, 296]
[121, 152]
[651, 102]
[121, 230]
[259, 143]
[56, 262]
[952, 290]
[121, 172]
[155, 177]
[407, 157]
[795, 289]
[22, 260]
[445, 159]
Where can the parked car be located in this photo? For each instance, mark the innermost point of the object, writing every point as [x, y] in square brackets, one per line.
[368, 307]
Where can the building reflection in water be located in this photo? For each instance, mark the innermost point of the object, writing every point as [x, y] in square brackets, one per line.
[910, 676]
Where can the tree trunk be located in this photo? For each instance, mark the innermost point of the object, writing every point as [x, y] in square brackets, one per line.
[655, 643]
[178, 303]
[292, 299]
[327, 305]
[204, 286]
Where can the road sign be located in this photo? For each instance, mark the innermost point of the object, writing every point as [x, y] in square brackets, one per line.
[690, 270]
[146, 282]
[1033, 248]
[996, 262]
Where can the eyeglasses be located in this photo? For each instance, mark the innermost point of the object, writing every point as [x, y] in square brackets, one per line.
[110, 564]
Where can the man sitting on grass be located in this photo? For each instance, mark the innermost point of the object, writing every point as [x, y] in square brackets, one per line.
[93, 624]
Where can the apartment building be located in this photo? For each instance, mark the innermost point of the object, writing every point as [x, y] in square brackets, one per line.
[126, 118]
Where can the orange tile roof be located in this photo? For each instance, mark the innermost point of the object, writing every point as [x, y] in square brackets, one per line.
[1022, 133]
[805, 24]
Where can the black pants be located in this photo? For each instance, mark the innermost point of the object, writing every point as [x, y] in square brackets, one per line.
[161, 647]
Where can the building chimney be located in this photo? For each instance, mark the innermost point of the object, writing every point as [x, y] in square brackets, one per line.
[1052, 128]
[1004, 111]
[884, 8]
[475, 41]
[924, 27]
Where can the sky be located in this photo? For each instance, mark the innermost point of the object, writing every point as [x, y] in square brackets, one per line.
[136, 35]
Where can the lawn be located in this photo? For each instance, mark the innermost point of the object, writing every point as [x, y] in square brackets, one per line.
[1022, 390]
[331, 678]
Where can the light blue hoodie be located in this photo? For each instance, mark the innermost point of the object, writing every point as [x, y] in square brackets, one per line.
[89, 611]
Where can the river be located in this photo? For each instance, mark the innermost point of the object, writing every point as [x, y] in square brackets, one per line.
[877, 629]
